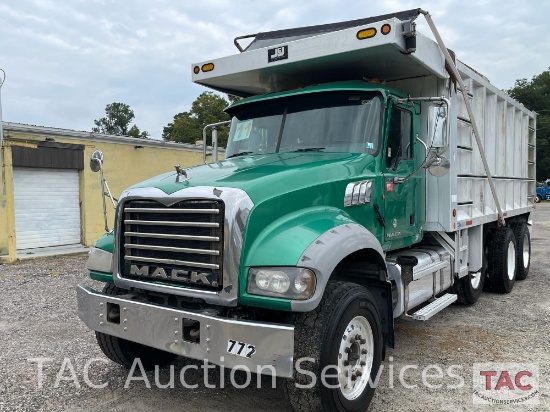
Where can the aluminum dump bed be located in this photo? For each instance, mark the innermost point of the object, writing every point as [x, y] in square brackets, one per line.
[508, 137]
[376, 47]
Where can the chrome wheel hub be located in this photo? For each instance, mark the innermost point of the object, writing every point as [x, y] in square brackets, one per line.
[526, 252]
[475, 278]
[355, 357]
[511, 260]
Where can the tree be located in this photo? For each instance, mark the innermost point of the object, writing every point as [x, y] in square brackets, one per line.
[187, 127]
[135, 132]
[535, 95]
[170, 133]
[232, 98]
[117, 120]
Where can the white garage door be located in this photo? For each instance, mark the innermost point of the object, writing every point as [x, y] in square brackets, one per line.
[47, 210]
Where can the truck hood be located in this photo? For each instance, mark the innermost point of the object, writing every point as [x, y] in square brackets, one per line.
[264, 176]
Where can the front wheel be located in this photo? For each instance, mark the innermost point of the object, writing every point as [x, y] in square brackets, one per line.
[538, 198]
[338, 352]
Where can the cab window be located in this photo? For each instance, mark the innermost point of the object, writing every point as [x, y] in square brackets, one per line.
[399, 137]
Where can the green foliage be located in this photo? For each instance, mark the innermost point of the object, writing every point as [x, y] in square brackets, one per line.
[535, 95]
[168, 130]
[233, 99]
[135, 132]
[118, 117]
[187, 127]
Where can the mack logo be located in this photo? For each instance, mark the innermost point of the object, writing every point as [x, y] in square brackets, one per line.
[182, 275]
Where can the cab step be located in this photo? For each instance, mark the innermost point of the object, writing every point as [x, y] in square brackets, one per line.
[436, 306]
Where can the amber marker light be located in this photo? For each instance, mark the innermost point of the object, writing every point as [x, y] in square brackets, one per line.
[366, 33]
[208, 67]
[454, 212]
[386, 28]
[196, 69]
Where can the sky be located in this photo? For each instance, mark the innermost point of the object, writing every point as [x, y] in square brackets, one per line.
[65, 60]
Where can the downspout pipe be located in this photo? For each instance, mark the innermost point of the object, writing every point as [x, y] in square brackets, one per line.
[2, 166]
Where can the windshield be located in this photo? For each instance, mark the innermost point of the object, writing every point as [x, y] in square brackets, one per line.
[343, 121]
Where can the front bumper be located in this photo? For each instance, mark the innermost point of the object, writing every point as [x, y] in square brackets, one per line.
[162, 328]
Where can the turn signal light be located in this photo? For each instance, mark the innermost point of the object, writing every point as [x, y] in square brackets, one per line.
[208, 67]
[366, 33]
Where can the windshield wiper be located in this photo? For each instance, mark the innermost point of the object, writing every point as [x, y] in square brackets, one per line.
[309, 149]
[239, 154]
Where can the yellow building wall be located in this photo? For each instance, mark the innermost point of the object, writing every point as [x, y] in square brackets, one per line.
[124, 165]
[7, 214]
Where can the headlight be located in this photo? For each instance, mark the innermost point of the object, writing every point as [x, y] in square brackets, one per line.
[286, 282]
[99, 260]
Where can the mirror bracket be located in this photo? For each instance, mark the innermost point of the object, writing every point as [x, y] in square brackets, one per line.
[96, 165]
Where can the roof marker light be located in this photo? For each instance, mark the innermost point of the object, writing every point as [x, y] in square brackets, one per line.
[208, 67]
[366, 33]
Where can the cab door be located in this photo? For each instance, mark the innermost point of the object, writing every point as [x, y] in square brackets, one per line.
[400, 198]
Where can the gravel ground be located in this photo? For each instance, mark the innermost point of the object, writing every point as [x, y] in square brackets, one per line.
[38, 320]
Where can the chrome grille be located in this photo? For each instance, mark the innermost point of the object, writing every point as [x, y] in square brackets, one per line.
[179, 244]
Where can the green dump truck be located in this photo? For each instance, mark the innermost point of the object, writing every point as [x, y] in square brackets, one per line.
[368, 175]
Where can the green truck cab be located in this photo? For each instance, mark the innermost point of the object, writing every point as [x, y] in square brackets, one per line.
[339, 206]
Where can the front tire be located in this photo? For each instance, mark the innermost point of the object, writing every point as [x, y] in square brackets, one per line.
[502, 260]
[123, 351]
[538, 198]
[342, 336]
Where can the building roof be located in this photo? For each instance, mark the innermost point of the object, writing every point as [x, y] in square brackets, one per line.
[95, 137]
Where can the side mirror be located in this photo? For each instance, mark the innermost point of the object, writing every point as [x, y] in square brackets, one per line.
[437, 128]
[96, 160]
[438, 166]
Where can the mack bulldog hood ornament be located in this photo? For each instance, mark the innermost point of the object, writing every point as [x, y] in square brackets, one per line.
[182, 174]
